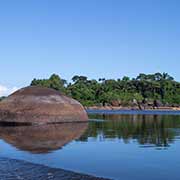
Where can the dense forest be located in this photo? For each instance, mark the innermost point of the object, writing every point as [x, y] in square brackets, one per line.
[158, 88]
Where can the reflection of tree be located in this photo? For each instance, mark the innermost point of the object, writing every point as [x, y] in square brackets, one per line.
[146, 129]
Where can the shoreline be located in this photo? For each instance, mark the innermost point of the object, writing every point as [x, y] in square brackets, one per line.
[22, 170]
[131, 108]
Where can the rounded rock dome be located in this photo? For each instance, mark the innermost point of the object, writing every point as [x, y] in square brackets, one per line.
[40, 105]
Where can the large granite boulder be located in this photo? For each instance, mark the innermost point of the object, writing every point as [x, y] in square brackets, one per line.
[39, 105]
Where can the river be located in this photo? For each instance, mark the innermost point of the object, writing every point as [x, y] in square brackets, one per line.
[113, 144]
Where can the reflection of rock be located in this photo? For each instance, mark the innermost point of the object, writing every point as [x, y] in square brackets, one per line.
[40, 105]
[42, 139]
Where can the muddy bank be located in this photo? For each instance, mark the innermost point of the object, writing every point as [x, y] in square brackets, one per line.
[11, 169]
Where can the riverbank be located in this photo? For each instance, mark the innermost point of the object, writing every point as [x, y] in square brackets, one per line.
[21, 170]
[131, 108]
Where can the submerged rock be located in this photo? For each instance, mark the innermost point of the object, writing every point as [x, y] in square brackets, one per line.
[39, 105]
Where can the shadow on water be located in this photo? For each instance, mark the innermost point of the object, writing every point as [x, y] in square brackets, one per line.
[42, 138]
[148, 130]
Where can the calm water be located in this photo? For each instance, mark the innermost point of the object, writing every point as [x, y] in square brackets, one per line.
[126, 147]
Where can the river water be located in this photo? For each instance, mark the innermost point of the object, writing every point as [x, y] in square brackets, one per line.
[113, 144]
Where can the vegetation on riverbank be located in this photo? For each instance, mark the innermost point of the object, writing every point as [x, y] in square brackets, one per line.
[157, 89]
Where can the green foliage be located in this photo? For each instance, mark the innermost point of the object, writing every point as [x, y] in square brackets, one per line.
[149, 87]
[54, 82]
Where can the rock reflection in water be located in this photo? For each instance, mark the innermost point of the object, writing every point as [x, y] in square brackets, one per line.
[148, 130]
[43, 138]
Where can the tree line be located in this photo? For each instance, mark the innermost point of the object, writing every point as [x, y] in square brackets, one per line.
[159, 87]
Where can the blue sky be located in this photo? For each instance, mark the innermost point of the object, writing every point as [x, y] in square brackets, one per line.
[96, 38]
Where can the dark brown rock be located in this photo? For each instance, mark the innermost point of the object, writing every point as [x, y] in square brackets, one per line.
[116, 103]
[40, 105]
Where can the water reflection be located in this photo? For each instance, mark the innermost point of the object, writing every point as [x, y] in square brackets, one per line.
[44, 138]
[113, 146]
[148, 130]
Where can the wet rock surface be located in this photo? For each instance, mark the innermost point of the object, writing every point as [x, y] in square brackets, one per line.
[11, 169]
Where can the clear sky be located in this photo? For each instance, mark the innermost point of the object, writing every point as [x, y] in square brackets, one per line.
[96, 38]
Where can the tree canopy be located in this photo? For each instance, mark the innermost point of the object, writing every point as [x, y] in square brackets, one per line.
[54, 82]
[144, 87]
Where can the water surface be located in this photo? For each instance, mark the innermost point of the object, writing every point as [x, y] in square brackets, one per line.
[118, 146]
